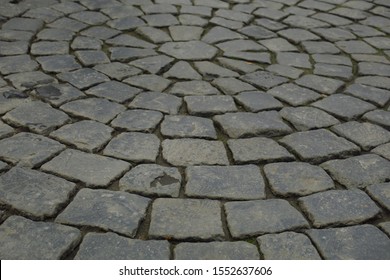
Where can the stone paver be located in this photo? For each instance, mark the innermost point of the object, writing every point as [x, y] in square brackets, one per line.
[271, 105]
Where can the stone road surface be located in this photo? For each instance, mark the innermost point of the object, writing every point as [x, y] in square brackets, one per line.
[194, 129]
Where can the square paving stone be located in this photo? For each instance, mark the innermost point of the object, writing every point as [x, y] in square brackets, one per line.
[263, 79]
[82, 43]
[90, 58]
[185, 33]
[379, 117]
[117, 70]
[210, 105]
[98, 109]
[344, 106]
[287, 246]
[134, 146]
[299, 60]
[58, 63]
[89, 136]
[255, 101]
[17, 64]
[198, 88]
[49, 48]
[39, 117]
[55, 34]
[83, 78]
[363, 242]
[115, 91]
[184, 152]
[159, 101]
[58, 94]
[297, 178]
[293, 94]
[355, 47]
[29, 150]
[23, 24]
[381, 194]
[35, 193]
[360, 171]
[366, 135]
[338, 207]
[11, 98]
[138, 120]
[237, 250]
[334, 71]
[244, 124]
[285, 71]
[374, 81]
[152, 179]
[23, 239]
[5, 130]
[190, 50]
[110, 246]
[28, 80]
[306, 118]
[320, 84]
[319, 145]
[108, 210]
[375, 95]
[92, 170]
[194, 219]
[154, 35]
[149, 82]
[251, 218]
[188, 127]
[225, 182]
[258, 150]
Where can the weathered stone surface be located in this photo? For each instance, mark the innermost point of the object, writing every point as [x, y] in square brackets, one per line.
[319, 145]
[191, 50]
[385, 227]
[23, 24]
[109, 210]
[238, 250]
[28, 80]
[184, 152]
[287, 246]
[92, 170]
[297, 178]
[363, 242]
[320, 84]
[383, 150]
[125, 54]
[157, 101]
[17, 64]
[251, 218]
[188, 127]
[134, 146]
[255, 101]
[263, 79]
[182, 70]
[338, 207]
[285, 71]
[306, 118]
[89, 136]
[152, 179]
[293, 94]
[381, 194]
[360, 171]
[185, 33]
[149, 82]
[83, 78]
[98, 109]
[115, 91]
[209, 105]
[153, 64]
[11, 98]
[201, 88]
[58, 63]
[367, 93]
[245, 124]
[379, 117]
[34, 193]
[5, 130]
[117, 70]
[257, 150]
[225, 182]
[186, 219]
[29, 150]
[37, 116]
[293, 59]
[49, 48]
[23, 239]
[110, 246]
[58, 94]
[218, 34]
[138, 120]
[211, 70]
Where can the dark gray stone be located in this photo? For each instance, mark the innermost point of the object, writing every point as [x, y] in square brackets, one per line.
[232, 24]
[90, 17]
[23, 239]
[225, 182]
[13, 48]
[381, 194]
[28, 80]
[231, 86]
[49, 48]
[297, 178]
[29, 150]
[130, 41]
[293, 94]
[335, 34]
[192, 20]
[83, 78]
[185, 33]
[184, 152]
[261, 57]
[115, 91]
[240, 45]
[186, 219]
[110, 246]
[338, 207]
[138, 120]
[343, 106]
[244, 124]
[355, 47]
[17, 64]
[188, 126]
[193, 88]
[293, 59]
[373, 68]
[383, 150]
[360, 171]
[153, 64]
[78, 166]
[257, 32]
[374, 81]
[334, 71]
[58, 63]
[385, 227]
[285, 71]
[304, 22]
[362, 242]
[257, 150]
[237, 250]
[149, 82]
[153, 34]
[58, 94]
[117, 70]
[332, 59]
[98, 109]
[126, 23]
[37, 116]
[125, 54]
[319, 145]
[35, 193]
[67, 23]
[5, 130]
[11, 98]
[89, 136]
[380, 117]
[298, 35]
[210, 70]
[109, 210]
[92, 57]
[134, 146]
[320, 84]
[86, 43]
[318, 47]
[219, 34]
[287, 246]
[55, 34]
[209, 105]
[191, 50]
[161, 20]
[240, 66]
[152, 179]
[278, 45]
[251, 218]
[255, 101]
[23, 24]
[158, 101]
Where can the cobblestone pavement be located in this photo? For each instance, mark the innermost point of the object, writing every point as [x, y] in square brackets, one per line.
[194, 129]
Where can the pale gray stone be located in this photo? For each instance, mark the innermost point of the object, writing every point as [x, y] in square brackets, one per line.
[11, 98]
[58, 94]
[209, 105]
[255, 101]
[182, 70]
[211, 70]
[108, 210]
[17, 64]
[92, 170]
[153, 64]
[381, 194]
[219, 34]
[188, 127]
[263, 79]
[383, 150]
[191, 50]
[5, 130]
[115, 91]
[149, 82]
[375, 95]
[293, 94]
[320, 84]
[200, 88]
[117, 70]
[138, 120]
[163, 102]
[58, 63]
[83, 78]
[185, 33]
[28, 80]
[49, 48]
[379, 117]
[232, 86]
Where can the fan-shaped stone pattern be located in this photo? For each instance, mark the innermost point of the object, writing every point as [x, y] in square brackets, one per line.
[191, 50]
